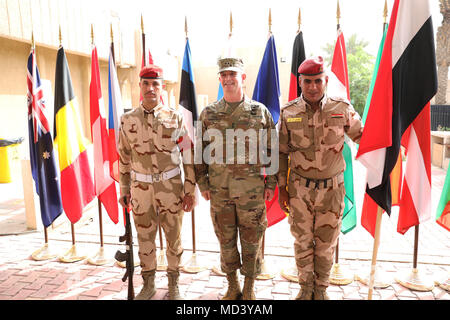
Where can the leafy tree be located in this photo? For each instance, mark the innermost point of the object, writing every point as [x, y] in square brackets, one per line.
[360, 68]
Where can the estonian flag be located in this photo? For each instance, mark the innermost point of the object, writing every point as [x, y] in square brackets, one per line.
[44, 169]
[399, 113]
[77, 188]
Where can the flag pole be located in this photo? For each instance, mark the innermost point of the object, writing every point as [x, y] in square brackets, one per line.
[192, 266]
[338, 275]
[375, 252]
[43, 253]
[100, 258]
[265, 273]
[71, 255]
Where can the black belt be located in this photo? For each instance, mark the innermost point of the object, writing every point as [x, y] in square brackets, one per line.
[307, 182]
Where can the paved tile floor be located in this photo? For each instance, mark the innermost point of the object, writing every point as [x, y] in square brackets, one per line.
[22, 278]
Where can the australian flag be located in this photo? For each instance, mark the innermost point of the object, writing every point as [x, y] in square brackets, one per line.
[43, 164]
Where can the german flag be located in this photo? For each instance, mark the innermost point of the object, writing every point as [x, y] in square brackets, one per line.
[77, 187]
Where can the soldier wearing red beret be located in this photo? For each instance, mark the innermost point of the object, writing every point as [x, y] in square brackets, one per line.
[311, 141]
[151, 140]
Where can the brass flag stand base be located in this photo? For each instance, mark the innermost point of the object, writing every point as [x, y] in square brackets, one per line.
[161, 261]
[123, 264]
[265, 272]
[99, 259]
[218, 271]
[415, 281]
[71, 256]
[192, 265]
[444, 283]
[43, 253]
[339, 275]
[290, 273]
[379, 282]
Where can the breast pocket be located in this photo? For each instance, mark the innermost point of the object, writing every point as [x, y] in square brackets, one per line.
[334, 130]
[299, 133]
[167, 136]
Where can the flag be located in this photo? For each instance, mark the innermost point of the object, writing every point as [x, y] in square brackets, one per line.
[77, 188]
[44, 169]
[339, 85]
[188, 97]
[115, 112]
[405, 83]
[298, 56]
[267, 91]
[443, 209]
[105, 187]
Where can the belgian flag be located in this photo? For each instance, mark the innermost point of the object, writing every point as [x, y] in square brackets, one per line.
[77, 187]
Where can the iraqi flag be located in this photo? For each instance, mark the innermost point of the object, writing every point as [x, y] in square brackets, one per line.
[339, 85]
[405, 83]
[105, 187]
[298, 56]
[115, 112]
[44, 168]
[77, 187]
[267, 91]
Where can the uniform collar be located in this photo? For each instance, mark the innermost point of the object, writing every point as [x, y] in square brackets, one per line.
[321, 102]
[156, 110]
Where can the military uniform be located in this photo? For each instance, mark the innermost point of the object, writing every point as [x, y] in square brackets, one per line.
[236, 185]
[311, 144]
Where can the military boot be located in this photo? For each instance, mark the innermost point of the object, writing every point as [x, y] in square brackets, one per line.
[148, 289]
[321, 294]
[174, 293]
[248, 292]
[305, 293]
[234, 289]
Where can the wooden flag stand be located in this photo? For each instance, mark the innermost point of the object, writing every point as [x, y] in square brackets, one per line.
[265, 274]
[414, 280]
[192, 265]
[290, 273]
[72, 255]
[100, 259]
[338, 275]
[44, 253]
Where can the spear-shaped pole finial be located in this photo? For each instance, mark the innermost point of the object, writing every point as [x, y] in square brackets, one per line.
[60, 36]
[270, 21]
[32, 40]
[112, 34]
[385, 11]
[299, 19]
[185, 26]
[338, 13]
[231, 24]
[142, 24]
[92, 34]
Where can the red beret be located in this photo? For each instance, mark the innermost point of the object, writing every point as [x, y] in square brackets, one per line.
[312, 66]
[151, 71]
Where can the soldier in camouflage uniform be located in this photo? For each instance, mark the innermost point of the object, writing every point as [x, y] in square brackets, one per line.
[311, 137]
[151, 139]
[234, 183]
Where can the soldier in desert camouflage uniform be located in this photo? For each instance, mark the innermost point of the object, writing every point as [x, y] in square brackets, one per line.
[151, 139]
[233, 180]
[311, 136]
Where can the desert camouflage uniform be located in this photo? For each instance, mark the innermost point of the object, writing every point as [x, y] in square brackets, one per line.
[312, 143]
[150, 143]
[237, 190]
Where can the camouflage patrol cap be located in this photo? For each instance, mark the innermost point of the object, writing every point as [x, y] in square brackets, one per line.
[232, 64]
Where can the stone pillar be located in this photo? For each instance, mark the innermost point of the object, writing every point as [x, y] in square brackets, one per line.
[443, 52]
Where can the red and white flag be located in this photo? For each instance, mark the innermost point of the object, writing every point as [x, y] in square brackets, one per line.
[105, 187]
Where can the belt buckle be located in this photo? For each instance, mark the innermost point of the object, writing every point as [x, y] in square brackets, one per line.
[156, 177]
